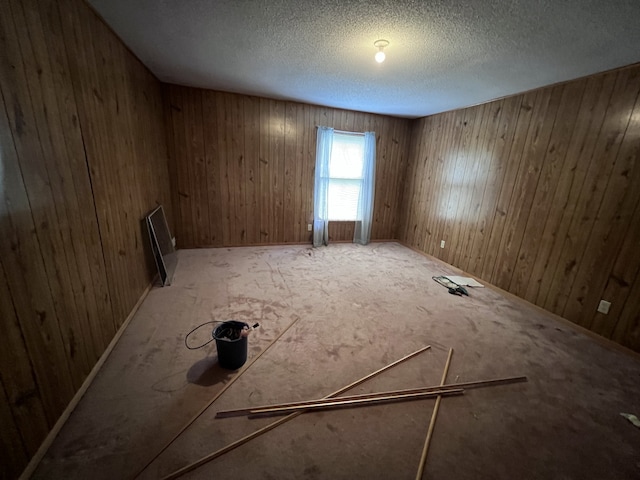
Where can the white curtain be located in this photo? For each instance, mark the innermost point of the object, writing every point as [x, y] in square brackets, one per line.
[362, 233]
[321, 191]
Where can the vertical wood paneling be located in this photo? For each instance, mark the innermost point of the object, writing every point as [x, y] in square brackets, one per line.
[22, 391]
[549, 175]
[82, 159]
[260, 157]
[22, 256]
[546, 204]
[12, 448]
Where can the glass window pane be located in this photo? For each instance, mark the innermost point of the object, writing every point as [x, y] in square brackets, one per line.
[347, 156]
[343, 199]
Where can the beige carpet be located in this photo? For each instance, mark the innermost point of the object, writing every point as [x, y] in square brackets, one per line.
[360, 308]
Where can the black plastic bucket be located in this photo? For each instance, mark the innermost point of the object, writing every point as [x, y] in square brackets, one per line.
[231, 345]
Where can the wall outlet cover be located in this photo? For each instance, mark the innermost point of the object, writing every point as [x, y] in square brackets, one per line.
[441, 243]
[309, 227]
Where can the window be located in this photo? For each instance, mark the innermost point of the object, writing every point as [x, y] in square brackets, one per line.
[344, 183]
[345, 176]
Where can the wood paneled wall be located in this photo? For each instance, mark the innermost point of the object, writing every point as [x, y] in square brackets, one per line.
[243, 167]
[82, 159]
[538, 194]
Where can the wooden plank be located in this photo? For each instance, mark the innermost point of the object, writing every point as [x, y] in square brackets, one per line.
[499, 151]
[393, 183]
[588, 123]
[603, 156]
[341, 403]
[476, 121]
[485, 166]
[276, 173]
[301, 185]
[66, 208]
[23, 264]
[266, 207]
[113, 162]
[184, 193]
[303, 403]
[70, 33]
[448, 156]
[537, 140]
[432, 423]
[612, 221]
[226, 166]
[622, 323]
[171, 158]
[309, 158]
[96, 108]
[507, 188]
[382, 203]
[196, 133]
[410, 197]
[341, 231]
[469, 188]
[271, 426]
[21, 251]
[383, 160]
[619, 283]
[210, 137]
[627, 329]
[13, 451]
[191, 176]
[291, 223]
[423, 169]
[401, 171]
[88, 273]
[238, 161]
[23, 398]
[34, 154]
[252, 165]
[552, 162]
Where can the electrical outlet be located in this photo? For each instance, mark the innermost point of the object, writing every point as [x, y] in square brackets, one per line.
[173, 241]
[604, 306]
[309, 227]
[441, 243]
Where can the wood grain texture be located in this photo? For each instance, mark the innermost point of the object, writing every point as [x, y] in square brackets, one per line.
[82, 159]
[259, 165]
[538, 194]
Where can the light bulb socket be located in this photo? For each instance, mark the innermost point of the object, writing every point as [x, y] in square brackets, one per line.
[380, 45]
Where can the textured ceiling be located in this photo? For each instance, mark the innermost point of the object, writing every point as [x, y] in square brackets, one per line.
[444, 54]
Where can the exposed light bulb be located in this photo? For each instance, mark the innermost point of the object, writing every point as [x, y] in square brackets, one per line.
[380, 44]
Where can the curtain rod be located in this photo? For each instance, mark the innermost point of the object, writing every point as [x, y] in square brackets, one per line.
[361, 134]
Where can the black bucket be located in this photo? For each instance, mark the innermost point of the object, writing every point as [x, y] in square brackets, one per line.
[231, 344]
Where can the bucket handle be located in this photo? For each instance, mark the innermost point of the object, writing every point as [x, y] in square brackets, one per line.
[201, 325]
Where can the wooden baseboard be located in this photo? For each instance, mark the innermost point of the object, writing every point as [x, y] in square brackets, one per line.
[48, 441]
[606, 342]
[233, 245]
[287, 244]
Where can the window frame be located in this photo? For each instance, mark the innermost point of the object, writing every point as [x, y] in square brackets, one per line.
[337, 180]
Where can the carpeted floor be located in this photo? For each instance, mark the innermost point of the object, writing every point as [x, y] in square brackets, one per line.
[359, 309]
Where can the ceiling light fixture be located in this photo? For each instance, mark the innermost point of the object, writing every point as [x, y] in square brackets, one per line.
[380, 44]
